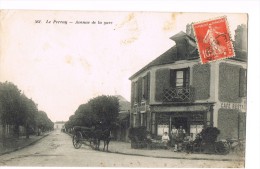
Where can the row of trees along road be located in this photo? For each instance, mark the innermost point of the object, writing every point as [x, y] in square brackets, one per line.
[99, 110]
[18, 110]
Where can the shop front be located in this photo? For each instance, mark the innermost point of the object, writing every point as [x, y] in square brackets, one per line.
[192, 118]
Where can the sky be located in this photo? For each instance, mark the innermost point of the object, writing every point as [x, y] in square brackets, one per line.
[61, 66]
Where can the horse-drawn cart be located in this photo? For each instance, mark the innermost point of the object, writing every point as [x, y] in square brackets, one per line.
[82, 135]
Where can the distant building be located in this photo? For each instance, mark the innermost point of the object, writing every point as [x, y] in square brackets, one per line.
[121, 133]
[177, 90]
[58, 125]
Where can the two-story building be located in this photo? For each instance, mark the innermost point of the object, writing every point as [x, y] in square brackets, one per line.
[177, 90]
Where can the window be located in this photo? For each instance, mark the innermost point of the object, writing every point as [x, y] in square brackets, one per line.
[180, 77]
[134, 120]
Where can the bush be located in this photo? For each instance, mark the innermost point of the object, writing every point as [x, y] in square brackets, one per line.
[210, 134]
[137, 134]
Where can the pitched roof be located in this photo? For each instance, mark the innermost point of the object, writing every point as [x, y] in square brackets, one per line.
[165, 58]
[170, 56]
[123, 115]
[123, 103]
[181, 34]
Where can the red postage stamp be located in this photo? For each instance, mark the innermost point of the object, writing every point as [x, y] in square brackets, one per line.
[213, 39]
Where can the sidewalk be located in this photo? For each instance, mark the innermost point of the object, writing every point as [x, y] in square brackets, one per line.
[125, 148]
[16, 144]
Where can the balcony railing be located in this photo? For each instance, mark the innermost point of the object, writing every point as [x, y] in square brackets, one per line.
[178, 94]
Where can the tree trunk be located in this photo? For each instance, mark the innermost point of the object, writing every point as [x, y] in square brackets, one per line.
[3, 134]
[27, 131]
[16, 131]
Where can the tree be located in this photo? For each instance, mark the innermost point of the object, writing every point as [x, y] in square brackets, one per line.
[10, 103]
[105, 109]
[29, 110]
[84, 116]
[43, 122]
[102, 110]
[18, 110]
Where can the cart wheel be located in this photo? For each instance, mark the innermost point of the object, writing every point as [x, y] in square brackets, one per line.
[77, 140]
[222, 148]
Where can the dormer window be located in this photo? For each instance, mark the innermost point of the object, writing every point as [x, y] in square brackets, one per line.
[185, 45]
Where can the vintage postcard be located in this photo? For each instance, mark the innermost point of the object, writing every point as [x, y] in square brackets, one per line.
[123, 89]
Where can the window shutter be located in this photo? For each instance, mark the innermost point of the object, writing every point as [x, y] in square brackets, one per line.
[139, 89]
[148, 86]
[145, 87]
[173, 78]
[186, 77]
[132, 93]
[162, 82]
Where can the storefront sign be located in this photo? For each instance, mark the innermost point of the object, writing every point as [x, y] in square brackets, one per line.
[179, 108]
[237, 106]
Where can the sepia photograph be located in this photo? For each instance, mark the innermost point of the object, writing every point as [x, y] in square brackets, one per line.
[123, 89]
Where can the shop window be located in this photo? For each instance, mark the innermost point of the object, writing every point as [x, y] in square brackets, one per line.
[194, 130]
[162, 128]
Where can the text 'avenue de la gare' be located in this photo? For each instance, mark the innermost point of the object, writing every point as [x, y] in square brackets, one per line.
[64, 22]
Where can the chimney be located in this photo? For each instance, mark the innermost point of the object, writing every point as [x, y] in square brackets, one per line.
[189, 31]
[241, 38]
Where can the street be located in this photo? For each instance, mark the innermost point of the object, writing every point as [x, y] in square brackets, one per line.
[56, 150]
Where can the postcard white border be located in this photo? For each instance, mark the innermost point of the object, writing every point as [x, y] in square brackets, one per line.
[228, 6]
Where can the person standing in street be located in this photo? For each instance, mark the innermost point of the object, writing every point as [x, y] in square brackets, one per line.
[181, 135]
[174, 134]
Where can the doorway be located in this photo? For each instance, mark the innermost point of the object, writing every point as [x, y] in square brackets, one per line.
[180, 121]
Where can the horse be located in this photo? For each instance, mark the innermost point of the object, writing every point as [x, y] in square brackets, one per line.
[104, 135]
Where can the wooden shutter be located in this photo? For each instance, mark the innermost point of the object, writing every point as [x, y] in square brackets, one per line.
[145, 87]
[162, 81]
[186, 77]
[139, 89]
[148, 86]
[132, 93]
[173, 78]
